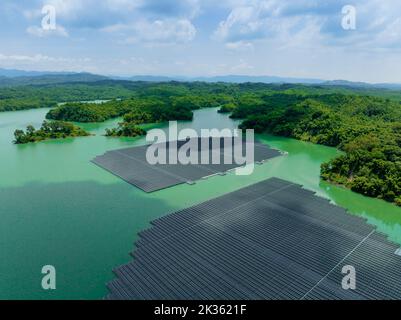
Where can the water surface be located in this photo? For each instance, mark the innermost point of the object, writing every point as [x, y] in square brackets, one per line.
[57, 208]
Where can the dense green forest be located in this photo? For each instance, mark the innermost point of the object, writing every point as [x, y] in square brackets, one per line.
[153, 109]
[367, 129]
[49, 130]
[363, 122]
[33, 97]
[49, 95]
[158, 104]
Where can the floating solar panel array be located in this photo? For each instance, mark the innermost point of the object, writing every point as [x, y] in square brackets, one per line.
[271, 240]
[131, 164]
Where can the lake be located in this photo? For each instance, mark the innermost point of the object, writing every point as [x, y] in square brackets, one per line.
[57, 208]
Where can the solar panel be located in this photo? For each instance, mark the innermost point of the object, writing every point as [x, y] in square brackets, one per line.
[132, 166]
[270, 240]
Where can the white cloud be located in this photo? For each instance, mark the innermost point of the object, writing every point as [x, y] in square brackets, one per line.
[40, 58]
[41, 33]
[119, 27]
[238, 15]
[311, 21]
[68, 8]
[34, 58]
[242, 67]
[150, 21]
[47, 63]
[240, 46]
[101, 13]
[157, 32]
[256, 20]
[124, 4]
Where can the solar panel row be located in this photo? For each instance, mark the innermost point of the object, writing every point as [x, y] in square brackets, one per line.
[271, 240]
[132, 165]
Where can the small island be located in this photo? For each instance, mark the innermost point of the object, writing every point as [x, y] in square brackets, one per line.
[227, 108]
[130, 127]
[49, 130]
[126, 129]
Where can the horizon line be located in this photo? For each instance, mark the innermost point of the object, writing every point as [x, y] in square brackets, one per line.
[189, 77]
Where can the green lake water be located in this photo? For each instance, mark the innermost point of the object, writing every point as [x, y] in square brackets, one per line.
[57, 208]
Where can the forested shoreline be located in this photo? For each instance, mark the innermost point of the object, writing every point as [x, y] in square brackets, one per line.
[23, 97]
[364, 123]
[367, 129]
[154, 105]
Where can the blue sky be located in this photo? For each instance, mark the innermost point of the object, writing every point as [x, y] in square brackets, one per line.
[291, 38]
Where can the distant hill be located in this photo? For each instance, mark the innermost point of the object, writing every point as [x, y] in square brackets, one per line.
[391, 86]
[13, 77]
[264, 79]
[346, 83]
[257, 79]
[152, 78]
[12, 73]
[50, 79]
[364, 85]
[228, 79]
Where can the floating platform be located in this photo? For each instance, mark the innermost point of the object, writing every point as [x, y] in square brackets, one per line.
[131, 165]
[271, 240]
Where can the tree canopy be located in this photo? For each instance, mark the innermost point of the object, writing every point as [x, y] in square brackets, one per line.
[363, 122]
[366, 128]
[49, 130]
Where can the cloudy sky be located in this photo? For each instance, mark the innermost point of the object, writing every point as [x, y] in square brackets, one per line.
[291, 38]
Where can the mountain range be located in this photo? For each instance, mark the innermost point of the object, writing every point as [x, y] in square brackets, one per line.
[13, 77]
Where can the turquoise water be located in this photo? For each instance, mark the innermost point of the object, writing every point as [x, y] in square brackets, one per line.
[57, 208]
